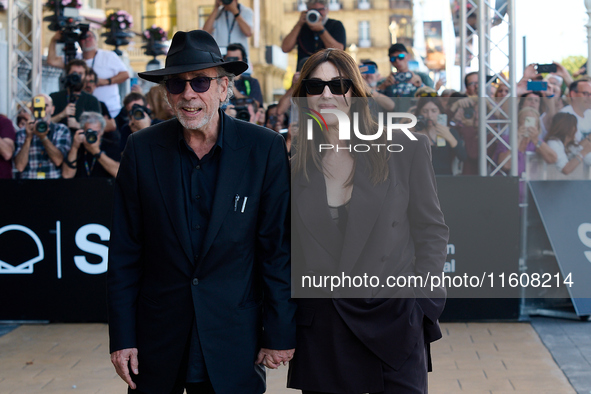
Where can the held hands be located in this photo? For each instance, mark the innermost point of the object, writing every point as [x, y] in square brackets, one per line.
[78, 139]
[120, 359]
[273, 358]
[302, 19]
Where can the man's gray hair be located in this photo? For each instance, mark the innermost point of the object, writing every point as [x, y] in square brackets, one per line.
[222, 72]
[92, 118]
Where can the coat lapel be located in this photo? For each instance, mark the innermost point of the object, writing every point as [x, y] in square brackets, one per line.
[312, 206]
[233, 163]
[167, 165]
[367, 202]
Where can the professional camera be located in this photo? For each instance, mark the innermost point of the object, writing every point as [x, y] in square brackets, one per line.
[39, 112]
[91, 136]
[139, 111]
[421, 123]
[73, 80]
[241, 108]
[227, 2]
[67, 21]
[313, 16]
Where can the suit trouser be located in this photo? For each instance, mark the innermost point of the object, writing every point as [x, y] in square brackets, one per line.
[192, 388]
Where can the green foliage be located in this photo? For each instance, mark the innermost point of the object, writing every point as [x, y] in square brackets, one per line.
[573, 63]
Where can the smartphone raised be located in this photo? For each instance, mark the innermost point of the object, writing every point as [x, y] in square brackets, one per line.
[530, 121]
[537, 86]
[545, 68]
[367, 69]
[442, 119]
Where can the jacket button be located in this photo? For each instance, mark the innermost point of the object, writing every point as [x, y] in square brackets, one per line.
[195, 281]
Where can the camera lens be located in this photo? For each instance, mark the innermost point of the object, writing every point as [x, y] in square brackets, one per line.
[91, 136]
[41, 126]
[313, 16]
[242, 113]
[138, 114]
[227, 2]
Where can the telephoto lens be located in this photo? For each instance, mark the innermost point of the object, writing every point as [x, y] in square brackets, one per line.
[91, 136]
[227, 2]
[242, 113]
[313, 16]
[139, 111]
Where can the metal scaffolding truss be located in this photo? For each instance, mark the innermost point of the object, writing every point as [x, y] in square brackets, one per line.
[494, 119]
[24, 52]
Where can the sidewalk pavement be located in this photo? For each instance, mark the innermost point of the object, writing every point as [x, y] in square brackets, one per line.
[470, 358]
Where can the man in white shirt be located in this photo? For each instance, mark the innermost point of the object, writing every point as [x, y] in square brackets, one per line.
[229, 24]
[580, 106]
[109, 68]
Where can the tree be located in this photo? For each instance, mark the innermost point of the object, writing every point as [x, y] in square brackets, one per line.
[573, 63]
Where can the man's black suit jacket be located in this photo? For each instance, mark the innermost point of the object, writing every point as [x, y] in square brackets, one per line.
[237, 289]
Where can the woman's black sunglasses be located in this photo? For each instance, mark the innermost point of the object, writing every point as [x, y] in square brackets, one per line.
[198, 84]
[315, 87]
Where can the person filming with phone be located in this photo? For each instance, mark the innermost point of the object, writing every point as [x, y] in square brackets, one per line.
[315, 31]
[446, 143]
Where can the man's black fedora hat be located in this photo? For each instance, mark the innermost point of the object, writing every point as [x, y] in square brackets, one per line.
[192, 51]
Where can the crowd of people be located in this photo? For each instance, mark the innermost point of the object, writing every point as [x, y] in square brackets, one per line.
[449, 118]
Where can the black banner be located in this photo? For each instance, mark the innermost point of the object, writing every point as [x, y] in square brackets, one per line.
[54, 242]
[53, 249]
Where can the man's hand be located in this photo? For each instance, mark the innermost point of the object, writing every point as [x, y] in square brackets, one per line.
[137, 125]
[273, 358]
[30, 129]
[78, 139]
[70, 110]
[120, 359]
[302, 19]
[232, 7]
[73, 123]
[318, 26]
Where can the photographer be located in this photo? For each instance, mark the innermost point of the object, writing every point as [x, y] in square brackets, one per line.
[41, 146]
[130, 123]
[245, 109]
[230, 22]
[315, 31]
[90, 87]
[90, 156]
[244, 85]
[72, 101]
[108, 66]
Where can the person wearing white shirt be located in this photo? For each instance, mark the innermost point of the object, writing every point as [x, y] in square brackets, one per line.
[229, 24]
[580, 98]
[561, 139]
[108, 66]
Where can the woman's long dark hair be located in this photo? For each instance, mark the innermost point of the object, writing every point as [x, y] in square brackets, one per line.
[307, 150]
[563, 125]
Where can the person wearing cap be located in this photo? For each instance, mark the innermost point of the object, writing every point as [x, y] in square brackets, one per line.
[199, 259]
[312, 37]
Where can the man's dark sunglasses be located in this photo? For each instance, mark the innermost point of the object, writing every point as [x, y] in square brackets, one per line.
[400, 56]
[198, 84]
[315, 87]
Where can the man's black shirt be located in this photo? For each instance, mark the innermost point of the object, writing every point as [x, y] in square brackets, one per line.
[199, 181]
[87, 166]
[85, 102]
[309, 41]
